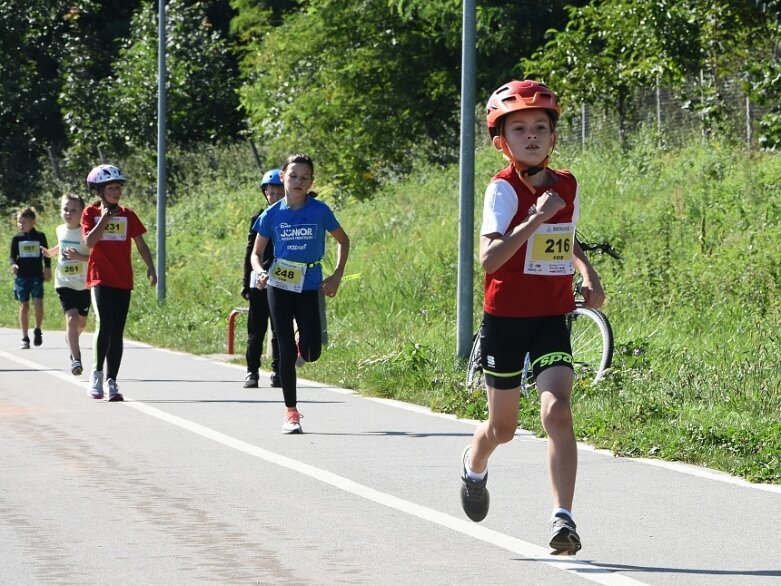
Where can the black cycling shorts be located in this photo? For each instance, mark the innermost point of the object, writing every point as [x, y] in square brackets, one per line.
[505, 341]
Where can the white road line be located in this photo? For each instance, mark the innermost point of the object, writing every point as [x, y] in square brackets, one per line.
[678, 467]
[528, 550]
[582, 569]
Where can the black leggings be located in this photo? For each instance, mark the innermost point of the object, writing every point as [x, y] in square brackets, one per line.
[304, 307]
[257, 324]
[111, 307]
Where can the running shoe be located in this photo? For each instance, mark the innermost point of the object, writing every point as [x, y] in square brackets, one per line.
[564, 539]
[113, 391]
[25, 345]
[37, 337]
[292, 422]
[76, 367]
[96, 384]
[251, 380]
[275, 381]
[475, 499]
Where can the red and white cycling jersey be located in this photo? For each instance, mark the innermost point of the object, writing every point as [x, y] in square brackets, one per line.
[537, 280]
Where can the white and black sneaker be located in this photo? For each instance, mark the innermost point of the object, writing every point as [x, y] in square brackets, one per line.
[564, 539]
[475, 499]
[251, 380]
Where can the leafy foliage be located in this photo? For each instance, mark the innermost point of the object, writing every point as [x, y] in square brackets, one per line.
[29, 117]
[201, 101]
[325, 82]
[91, 44]
[609, 50]
[695, 304]
[369, 87]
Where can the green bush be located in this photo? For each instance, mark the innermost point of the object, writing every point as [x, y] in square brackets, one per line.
[694, 304]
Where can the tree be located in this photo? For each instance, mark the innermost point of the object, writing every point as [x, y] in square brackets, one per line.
[91, 41]
[29, 116]
[762, 79]
[201, 99]
[369, 87]
[609, 50]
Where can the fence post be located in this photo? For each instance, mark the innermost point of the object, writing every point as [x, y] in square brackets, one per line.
[55, 166]
[255, 154]
[748, 122]
[658, 108]
[583, 125]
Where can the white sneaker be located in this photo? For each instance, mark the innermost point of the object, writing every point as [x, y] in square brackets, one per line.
[113, 391]
[96, 384]
[292, 422]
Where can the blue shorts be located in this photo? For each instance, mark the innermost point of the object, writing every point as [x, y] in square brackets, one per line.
[504, 342]
[25, 287]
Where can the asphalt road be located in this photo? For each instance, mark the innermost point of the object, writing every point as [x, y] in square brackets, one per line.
[190, 481]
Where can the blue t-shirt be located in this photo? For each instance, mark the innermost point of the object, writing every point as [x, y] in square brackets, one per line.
[299, 235]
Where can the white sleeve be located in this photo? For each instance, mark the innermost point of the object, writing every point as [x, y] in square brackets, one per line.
[576, 206]
[499, 207]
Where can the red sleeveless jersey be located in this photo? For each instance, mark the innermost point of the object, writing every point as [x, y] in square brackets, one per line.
[512, 292]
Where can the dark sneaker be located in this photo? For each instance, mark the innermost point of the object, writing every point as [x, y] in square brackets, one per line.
[564, 539]
[474, 495]
[37, 337]
[76, 367]
[113, 391]
[275, 381]
[25, 345]
[251, 380]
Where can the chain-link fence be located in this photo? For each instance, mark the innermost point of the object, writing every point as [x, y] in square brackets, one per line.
[675, 116]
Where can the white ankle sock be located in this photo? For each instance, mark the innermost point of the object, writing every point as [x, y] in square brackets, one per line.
[561, 510]
[472, 475]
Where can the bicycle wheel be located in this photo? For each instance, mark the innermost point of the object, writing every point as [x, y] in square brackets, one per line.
[592, 342]
[527, 378]
[475, 379]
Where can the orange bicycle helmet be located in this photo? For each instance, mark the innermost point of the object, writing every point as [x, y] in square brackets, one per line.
[520, 95]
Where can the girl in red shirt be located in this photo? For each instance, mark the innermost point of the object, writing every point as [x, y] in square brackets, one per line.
[108, 229]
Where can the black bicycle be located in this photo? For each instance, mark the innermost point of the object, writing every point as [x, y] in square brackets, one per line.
[590, 333]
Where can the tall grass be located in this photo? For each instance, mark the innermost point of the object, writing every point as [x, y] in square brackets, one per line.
[694, 304]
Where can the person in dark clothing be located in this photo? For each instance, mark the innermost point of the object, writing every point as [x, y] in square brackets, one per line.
[29, 273]
[259, 315]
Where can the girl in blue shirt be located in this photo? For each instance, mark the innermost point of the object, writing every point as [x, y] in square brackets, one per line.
[297, 225]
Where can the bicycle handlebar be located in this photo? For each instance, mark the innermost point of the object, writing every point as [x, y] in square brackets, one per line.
[601, 248]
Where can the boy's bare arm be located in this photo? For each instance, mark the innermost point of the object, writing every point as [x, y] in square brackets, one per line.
[591, 288]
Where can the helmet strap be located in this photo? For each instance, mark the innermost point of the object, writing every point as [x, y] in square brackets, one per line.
[523, 171]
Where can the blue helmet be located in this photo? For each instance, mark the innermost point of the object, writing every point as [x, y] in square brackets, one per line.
[273, 177]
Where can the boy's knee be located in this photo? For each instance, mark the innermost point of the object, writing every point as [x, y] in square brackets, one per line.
[556, 414]
[503, 432]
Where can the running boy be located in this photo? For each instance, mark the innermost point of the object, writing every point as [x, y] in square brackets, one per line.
[29, 273]
[70, 279]
[258, 316]
[296, 225]
[108, 229]
[529, 253]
